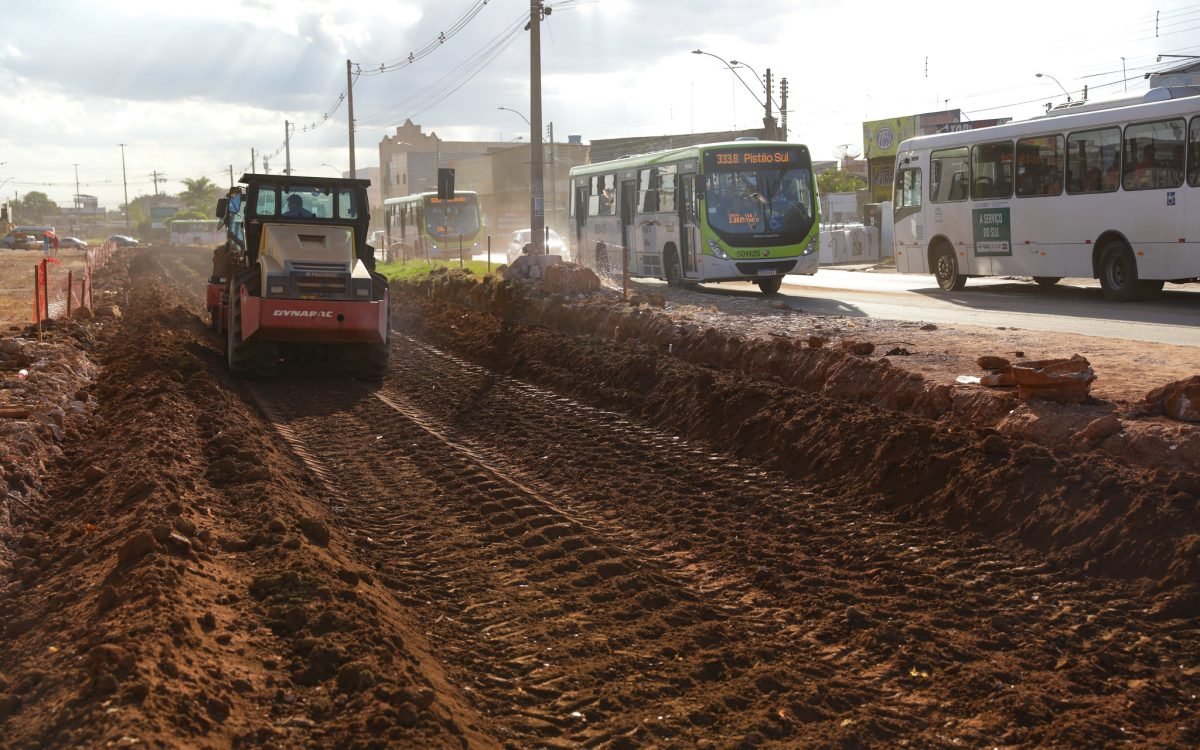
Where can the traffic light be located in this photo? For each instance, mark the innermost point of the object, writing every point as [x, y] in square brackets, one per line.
[445, 183]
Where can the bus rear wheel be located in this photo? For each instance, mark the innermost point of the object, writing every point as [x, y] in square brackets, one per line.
[1047, 280]
[1118, 272]
[770, 286]
[945, 269]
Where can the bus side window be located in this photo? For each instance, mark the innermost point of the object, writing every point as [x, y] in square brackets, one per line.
[647, 192]
[948, 175]
[1094, 161]
[1040, 161]
[1193, 153]
[907, 199]
[991, 170]
[594, 196]
[608, 195]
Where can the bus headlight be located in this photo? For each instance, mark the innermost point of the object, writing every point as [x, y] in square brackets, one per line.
[811, 247]
[716, 250]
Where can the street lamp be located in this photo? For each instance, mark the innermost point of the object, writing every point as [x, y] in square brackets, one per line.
[734, 71]
[518, 114]
[768, 119]
[1052, 78]
[766, 82]
[335, 169]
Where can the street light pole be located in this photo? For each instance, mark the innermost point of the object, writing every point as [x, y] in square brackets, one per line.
[768, 120]
[125, 184]
[1052, 78]
[518, 114]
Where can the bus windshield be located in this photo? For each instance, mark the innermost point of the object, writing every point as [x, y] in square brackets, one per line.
[449, 218]
[763, 195]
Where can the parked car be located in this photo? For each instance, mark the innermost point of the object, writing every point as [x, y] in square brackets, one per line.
[20, 241]
[74, 242]
[121, 240]
[554, 244]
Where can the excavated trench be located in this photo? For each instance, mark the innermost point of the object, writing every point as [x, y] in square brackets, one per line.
[531, 535]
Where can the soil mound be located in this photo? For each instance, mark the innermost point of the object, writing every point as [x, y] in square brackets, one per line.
[925, 451]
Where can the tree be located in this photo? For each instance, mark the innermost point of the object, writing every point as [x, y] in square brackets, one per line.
[201, 195]
[836, 181]
[35, 207]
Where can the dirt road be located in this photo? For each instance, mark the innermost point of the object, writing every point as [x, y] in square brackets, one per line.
[527, 538]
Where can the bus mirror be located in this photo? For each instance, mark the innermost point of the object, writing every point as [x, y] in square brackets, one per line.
[445, 183]
[222, 205]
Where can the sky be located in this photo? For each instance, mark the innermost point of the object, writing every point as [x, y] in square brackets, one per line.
[191, 88]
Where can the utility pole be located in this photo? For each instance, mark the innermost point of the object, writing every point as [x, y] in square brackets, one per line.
[252, 158]
[231, 177]
[537, 209]
[287, 150]
[350, 116]
[553, 174]
[75, 203]
[157, 177]
[266, 165]
[769, 117]
[125, 183]
[783, 110]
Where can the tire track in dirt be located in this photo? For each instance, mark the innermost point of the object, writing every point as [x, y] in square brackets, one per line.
[575, 590]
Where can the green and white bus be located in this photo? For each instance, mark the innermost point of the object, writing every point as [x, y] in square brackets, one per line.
[1110, 194]
[738, 211]
[422, 225]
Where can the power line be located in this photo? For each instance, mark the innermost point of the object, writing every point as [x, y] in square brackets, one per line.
[443, 87]
[457, 26]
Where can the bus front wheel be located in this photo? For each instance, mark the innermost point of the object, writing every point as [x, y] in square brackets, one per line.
[770, 286]
[945, 269]
[1118, 272]
[672, 268]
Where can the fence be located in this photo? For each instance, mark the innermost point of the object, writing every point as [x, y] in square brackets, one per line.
[58, 291]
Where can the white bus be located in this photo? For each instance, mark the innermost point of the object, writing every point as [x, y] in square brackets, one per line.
[739, 211]
[1106, 194]
[196, 232]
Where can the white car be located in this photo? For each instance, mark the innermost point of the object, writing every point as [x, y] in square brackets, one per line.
[521, 237]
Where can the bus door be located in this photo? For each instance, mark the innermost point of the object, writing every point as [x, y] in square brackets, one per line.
[629, 195]
[581, 212]
[689, 225]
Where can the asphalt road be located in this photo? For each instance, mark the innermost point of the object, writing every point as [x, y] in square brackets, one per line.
[1072, 306]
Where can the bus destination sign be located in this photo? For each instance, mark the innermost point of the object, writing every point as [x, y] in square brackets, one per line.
[751, 158]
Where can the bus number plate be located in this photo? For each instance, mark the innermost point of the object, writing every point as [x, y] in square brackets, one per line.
[766, 272]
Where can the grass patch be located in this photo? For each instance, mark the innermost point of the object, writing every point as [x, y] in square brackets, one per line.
[414, 269]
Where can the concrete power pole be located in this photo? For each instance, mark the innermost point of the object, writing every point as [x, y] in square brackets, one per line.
[287, 149]
[252, 157]
[537, 207]
[769, 117]
[553, 174]
[783, 110]
[350, 116]
[125, 184]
